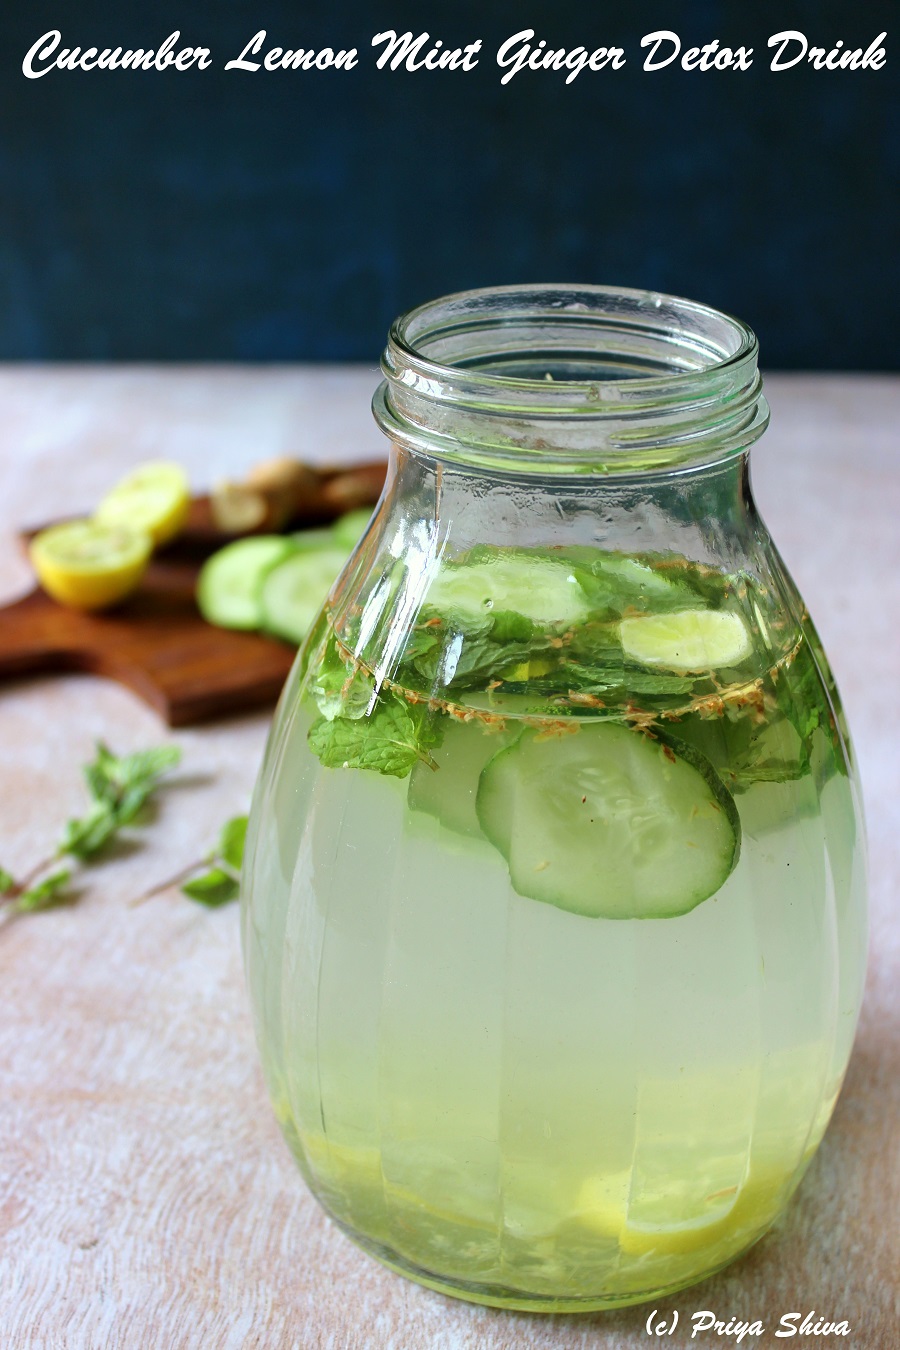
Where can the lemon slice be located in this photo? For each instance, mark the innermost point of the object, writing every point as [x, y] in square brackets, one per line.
[88, 565]
[155, 497]
[603, 1202]
[606, 1206]
[687, 640]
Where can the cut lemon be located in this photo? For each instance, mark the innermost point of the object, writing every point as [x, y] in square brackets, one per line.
[607, 1205]
[88, 565]
[155, 497]
[688, 640]
[603, 1202]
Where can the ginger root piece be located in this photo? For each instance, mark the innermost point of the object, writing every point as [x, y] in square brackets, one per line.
[269, 497]
[236, 509]
[346, 490]
[280, 492]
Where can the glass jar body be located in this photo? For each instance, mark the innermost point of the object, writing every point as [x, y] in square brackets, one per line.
[555, 1096]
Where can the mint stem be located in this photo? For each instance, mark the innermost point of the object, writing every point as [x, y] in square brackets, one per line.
[30, 877]
[179, 876]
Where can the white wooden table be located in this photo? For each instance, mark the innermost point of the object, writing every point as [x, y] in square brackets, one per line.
[146, 1198]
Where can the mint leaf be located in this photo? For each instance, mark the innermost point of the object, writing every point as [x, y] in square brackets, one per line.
[148, 764]
[744, 750]
[341, 687]
[390, 741]
[113, 778]
[598, 677]
[45, 893]
[7, 881]
[131, 801]
[423, 640]
[119, 786]
[86, 836]
[511, 627]
[617, 583]
[231, 842]
[465, 661]
[656, 683]
[215, 887]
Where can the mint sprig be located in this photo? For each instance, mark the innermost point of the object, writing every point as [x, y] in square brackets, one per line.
[45, 893]
[119, 786]
[215, 879]
[221, 882]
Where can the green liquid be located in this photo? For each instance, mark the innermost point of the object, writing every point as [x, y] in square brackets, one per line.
[523, 1105]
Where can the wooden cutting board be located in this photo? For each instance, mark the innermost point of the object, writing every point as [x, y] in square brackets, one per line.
[156, 643]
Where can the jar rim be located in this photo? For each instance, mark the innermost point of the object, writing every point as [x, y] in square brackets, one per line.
[596, 378]
[569, 299]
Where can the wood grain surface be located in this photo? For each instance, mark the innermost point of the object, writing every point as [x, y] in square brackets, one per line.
[156, 644]
[147, 1201]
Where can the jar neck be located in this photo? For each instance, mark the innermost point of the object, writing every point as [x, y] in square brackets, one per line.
[433, 509]
[570, 381]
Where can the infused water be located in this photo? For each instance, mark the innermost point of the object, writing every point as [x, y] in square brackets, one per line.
[554, 934]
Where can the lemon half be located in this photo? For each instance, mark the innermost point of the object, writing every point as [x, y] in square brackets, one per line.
[155, 497]
[89, 565]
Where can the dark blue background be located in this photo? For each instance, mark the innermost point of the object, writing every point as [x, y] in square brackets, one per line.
[291, 215]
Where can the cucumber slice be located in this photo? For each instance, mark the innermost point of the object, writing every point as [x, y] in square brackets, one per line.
[689, 640]
[605, 822]
[544, 591]
[635, 575]
[622, 582]
[350, 528]
[304, 540]
[230, 582]
[448, 792]
[296, 589]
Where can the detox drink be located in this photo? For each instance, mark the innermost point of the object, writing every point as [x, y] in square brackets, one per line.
[553, 920]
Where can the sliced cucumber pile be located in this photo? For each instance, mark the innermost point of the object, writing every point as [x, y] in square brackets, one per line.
[605, 822]
[294, 591]
[230, 581]
[276, 582]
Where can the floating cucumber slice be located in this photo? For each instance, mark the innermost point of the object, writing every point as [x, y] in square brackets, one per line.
[230, 582]
[603, 821]
[634, 574]
[637, 581]
[544, 591]
[448, 792]
[295, 590]
[691, 639]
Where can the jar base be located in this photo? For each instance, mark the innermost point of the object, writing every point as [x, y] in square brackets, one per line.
[515, 1300]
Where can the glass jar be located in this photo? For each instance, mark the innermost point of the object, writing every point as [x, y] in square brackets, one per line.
[554, 892]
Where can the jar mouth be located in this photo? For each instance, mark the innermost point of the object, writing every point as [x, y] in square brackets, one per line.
[564, 377]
